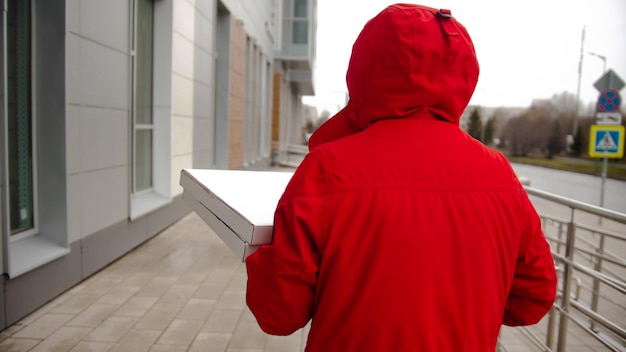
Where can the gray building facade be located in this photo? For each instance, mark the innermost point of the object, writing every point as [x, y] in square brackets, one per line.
[104, 102]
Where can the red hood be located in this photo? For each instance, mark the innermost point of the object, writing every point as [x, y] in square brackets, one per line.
[407, 58]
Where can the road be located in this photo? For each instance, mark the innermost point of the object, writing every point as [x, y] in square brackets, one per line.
[581, 187]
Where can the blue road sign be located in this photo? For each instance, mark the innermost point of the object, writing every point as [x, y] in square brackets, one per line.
[606, 141]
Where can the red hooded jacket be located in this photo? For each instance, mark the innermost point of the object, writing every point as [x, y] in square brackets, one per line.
[399, 231]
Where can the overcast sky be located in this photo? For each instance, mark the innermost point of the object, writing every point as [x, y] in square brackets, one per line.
[526, 49]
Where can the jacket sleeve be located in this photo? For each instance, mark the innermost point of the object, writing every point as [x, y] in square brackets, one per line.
[534, 285]
[282, 276]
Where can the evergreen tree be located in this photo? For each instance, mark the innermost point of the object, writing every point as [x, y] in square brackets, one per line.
[489, 132]
[475, 126]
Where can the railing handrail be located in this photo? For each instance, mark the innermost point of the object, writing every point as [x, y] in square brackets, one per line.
[573, 238]
[578, 205]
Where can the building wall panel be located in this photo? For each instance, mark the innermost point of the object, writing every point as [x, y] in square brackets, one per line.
[112, 15]
[98, 124]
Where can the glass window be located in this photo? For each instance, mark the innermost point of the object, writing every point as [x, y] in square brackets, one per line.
[143, 121]
[20, 141]
[300, 24]
[143, 159]
[300, 10]
[300, 32]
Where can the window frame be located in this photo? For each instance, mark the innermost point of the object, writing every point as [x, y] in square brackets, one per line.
[33, 135]
[48, 240]
[143, 202]
[138, 126]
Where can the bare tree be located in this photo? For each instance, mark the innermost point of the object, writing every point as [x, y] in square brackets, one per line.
[529, 131]
[556, 139]
[518, 135]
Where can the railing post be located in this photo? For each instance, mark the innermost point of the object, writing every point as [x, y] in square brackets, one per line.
[567, 283]
[595, 291]
[558, 245]
[550, 332]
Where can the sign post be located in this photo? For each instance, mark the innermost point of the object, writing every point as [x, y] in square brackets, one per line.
[606, 141]
[607, 136]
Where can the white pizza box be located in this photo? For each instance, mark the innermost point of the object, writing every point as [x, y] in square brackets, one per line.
[236, 244]
[238, 205]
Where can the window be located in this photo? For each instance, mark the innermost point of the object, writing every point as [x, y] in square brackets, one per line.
[143, 125]
[300, 22]
[32, 123]
[151, 105]
[19, 120]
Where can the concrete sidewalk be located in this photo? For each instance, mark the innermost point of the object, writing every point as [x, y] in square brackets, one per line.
[181, 291]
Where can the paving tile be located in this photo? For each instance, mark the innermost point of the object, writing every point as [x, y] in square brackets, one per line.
[136, 306]
[248, 335]
[204, 264]
[93, 315]
[291, 343]
[157, 286]
[10, 331]
[180, 332]
[192, 279]
[97, 286]
[179, 259]
[44, 326]
[18, 345]
[112, 329]
[136, 341]
[118, 295]
[178, 294]
[210, 290]
[92, 346]
[110, 274]
[197, 309]
[210, 342]
[75, 304]
[158, 317]
[64, 339]
[247, 315]
[169, 348]
[239, 281]
[139, 278]
[232, 300]
[42, 310]
[222, 320]
[222, 274]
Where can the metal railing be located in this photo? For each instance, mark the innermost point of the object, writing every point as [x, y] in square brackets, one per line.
[589, 248]
[290, 155]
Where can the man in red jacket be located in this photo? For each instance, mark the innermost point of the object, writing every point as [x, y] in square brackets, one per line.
[399, 231]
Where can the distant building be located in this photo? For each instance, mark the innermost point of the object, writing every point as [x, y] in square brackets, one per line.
[104, 102]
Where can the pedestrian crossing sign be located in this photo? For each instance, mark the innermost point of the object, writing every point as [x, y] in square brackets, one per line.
[606, 140]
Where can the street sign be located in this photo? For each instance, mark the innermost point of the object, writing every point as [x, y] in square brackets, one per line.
[610, 80]
[609, 100]
[608, 118]
[606, 141]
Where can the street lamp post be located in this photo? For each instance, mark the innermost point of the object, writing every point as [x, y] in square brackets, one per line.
[604, 164]
[580, 73]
